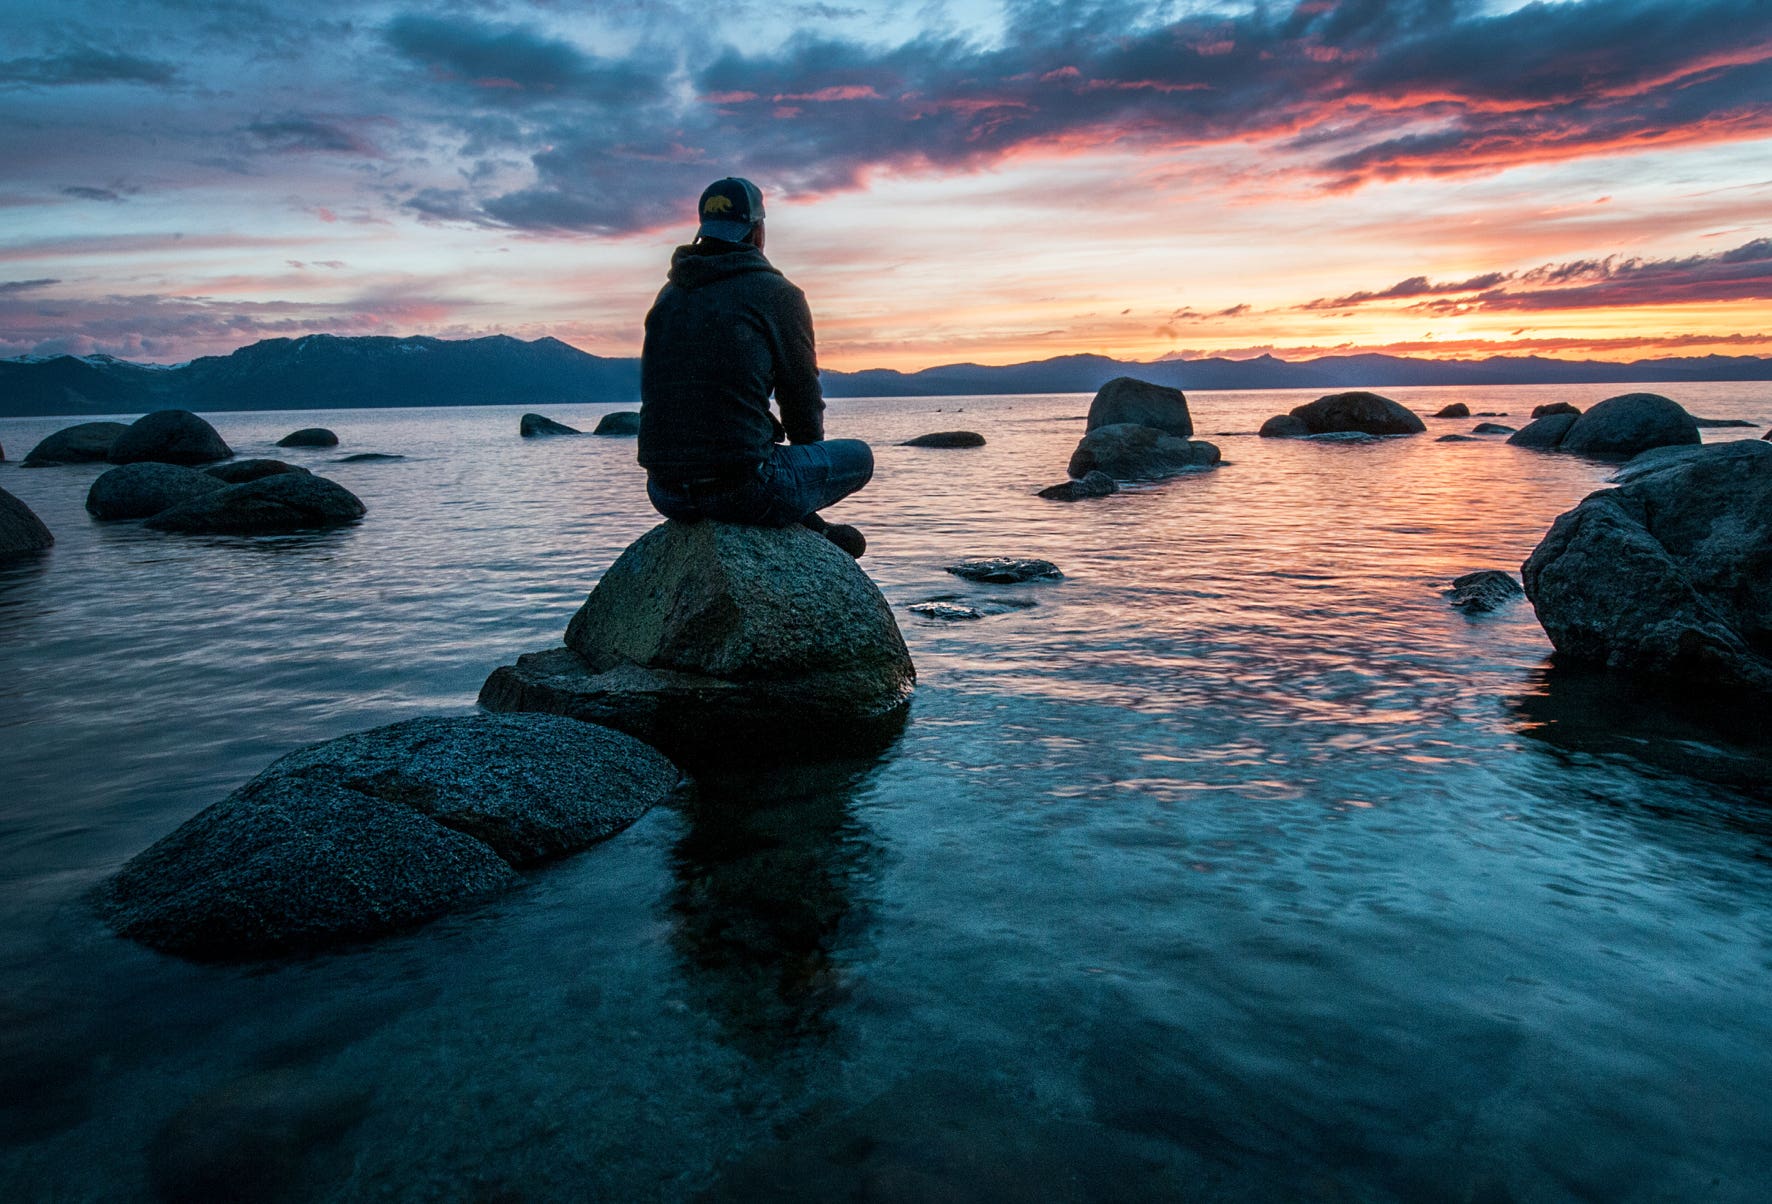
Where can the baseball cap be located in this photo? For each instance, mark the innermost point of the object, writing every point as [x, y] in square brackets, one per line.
[729, 208]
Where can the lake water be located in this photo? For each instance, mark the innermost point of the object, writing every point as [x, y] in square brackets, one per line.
[1238, 866]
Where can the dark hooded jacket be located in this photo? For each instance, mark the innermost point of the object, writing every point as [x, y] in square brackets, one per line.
[725, 333]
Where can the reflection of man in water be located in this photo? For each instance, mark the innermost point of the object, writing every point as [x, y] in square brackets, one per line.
[726, 332]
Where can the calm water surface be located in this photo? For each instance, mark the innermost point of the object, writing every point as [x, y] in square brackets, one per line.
[1236, 866]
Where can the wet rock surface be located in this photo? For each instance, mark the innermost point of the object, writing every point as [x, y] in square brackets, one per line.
[621, 422]
[236, 472]
[381, 830]
[309, 436]
[1125, 400]
[1484, 590]
[1006, 570]
[531, 426]
[1140, 453]
[708, 638]
[83, 443]
[281, 502]
[1670, 573]
[946, 439]
[21, 531]
[1094, 483]
[145, 489]
[170, 437]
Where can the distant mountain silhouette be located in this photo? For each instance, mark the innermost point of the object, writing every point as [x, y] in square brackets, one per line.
[318, 372]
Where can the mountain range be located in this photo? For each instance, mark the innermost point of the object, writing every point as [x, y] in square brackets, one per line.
[317, 372]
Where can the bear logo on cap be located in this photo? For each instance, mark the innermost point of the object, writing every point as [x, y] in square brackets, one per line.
[717, 204]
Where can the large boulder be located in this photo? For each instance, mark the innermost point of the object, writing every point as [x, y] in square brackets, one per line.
[82, 443]
[1546, 432]
[709, 638]
[381, 830]
[1630, 423]
[620, 422]
[171, 437]
[309, 436]
[1125, 400]
[21, 530]
[1129, 452]
[1358, 411]
[145, 489]
[1668, 574]
[291, 501]
[532, 426]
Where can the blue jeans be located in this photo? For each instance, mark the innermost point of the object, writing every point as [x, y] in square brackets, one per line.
[795, 481]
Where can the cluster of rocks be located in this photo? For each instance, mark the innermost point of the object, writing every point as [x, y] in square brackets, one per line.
[1356, 413]
[620, 422]
[1136, 431]
[1617, 427]
[709, 638]
[382, 830]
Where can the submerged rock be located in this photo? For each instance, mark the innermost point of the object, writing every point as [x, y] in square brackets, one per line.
[368, 458]
[1126, 400]
[1555, 407]
[21, 531]
[1670, 573]
[1094, 483]
[712, 638]
[1485, 590]
[1458, 439]
[1722, 422]
[1133, 453]
[171, 437]
[83, 443]
[946, 439]
[532, 425]
[292, 501]
[1357, 412]
[1493, 428]
[1006, 570]
[309, 436]
[236, 471]
[145, 489]
[621, 422]
[381, 830]
[1456, 410]
[949, 612]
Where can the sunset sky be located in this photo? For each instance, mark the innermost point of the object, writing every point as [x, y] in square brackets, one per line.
[948, 181]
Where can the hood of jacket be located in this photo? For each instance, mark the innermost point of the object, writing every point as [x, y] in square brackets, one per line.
[701, 264]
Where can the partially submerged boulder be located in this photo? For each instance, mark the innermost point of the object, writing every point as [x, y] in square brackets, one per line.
[292, 501]
[1721, 422]
[1006, 570]
[621, 422]
[1484, 590]
[531, 426]
[1546, 432]
[1456, 410]
[946, 439]
[235, 472]
[711, 638]
[145, 489]
[1127, 400]
[1094, 483]
[1630, 423]
[1670, 573]
[1140, 453]
[1283, 426]
[1493, 428]
[1353, 412]
[1555, 407]
[21, 531]
[381, 830]
[82, 443]
[372, 457]
[309, 436]
[171, 437]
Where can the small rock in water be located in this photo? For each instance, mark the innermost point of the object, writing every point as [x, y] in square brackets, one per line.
[309, 436]
[1723, 421]
[1492, 428]
[1553, 408]
[21, 530]
[1005, 570]
[1284, 426]
[1456, 410]
[1490, 414]
[952, 612]
[236, 472]
[290, 501]
[1094, 484]
[1458, 439]
[171, 437]
[82, 443]
[1343, 437]
[532, 425]
[368, 457]
[946, 439]
[1484, 590]
[145, 489]
[621, 422]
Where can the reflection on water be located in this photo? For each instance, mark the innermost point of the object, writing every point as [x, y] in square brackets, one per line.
[1234, 865]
